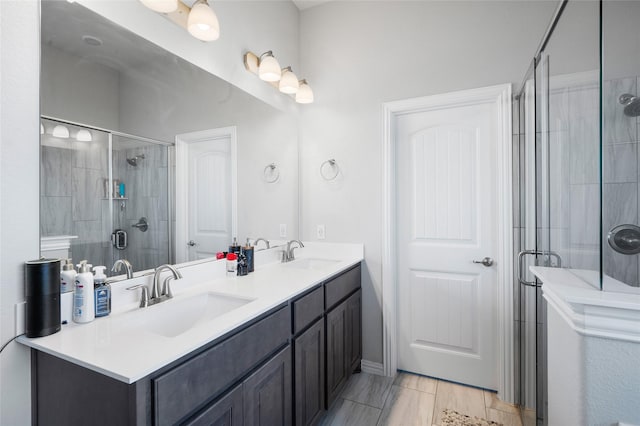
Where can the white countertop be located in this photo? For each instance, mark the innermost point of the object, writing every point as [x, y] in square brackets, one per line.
[112, 346]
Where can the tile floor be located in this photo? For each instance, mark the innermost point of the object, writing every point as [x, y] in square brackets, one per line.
[370, 400]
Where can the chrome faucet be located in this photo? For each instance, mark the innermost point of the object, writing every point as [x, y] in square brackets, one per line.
[255, 243]
[166, 291]
[288, 255]
[127, 267]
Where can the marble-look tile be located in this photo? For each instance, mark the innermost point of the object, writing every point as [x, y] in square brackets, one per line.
[414, 381]
[507, 419]
[369, 389]
[617, 127]
[515, 180]
[491, 401]
[87, 194]
[584, 135]
[91, 155]
[55, 216]
[463, 399]
[620, 163]
[584, 216]
[619, 206]
[558, 108]
[406, 406]
[89, 231]
[55, 172]
[559, 166]
[349, 413]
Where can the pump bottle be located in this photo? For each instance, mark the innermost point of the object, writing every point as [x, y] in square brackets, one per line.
[101, 292]
[83, 308]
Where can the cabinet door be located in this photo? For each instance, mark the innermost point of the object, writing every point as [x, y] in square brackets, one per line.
[309, 374]
[227, 411]
[267, 393]
[336, 351]
[354, 331]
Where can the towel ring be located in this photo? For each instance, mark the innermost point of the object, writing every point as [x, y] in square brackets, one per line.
[271, 173]
[332, 163]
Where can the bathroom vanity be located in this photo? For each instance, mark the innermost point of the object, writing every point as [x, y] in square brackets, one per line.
[280, 358]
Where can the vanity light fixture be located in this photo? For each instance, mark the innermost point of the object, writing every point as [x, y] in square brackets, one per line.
[61, 132]
[202, 22]
[268, 67]
[161, 6]
[304, 95]
[84, 135]
[289, 82]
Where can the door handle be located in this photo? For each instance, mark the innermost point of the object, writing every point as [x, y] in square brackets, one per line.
[487, 261]
[191, 243]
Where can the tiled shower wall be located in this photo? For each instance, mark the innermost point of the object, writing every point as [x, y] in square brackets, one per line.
[73, 202]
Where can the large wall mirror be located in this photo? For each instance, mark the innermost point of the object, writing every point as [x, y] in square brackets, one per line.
[113, 106]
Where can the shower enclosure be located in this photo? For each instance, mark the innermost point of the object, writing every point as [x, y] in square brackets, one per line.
[108, 191]
[576, 170]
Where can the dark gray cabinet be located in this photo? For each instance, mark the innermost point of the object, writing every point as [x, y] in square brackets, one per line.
[267, 393]
[282, 368]
[310, 374]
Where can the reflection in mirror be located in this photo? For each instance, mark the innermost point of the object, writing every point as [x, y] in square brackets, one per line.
[99, 74]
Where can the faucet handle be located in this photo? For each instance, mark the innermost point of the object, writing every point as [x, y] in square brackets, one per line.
[144, 298]
[166, 287]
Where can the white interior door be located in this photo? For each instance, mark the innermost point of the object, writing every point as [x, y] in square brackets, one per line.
[205, 193]
[447, 219]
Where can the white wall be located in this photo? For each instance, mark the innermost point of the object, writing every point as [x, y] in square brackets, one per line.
[19, 174]
[78, 90]
[357, 55]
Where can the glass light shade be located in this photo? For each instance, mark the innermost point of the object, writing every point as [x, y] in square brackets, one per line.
[84, 136]
[304, 95]
[161, 6]
[289, 82]
[60, 131]
[203, 23]
[269, 69]
[41, 129]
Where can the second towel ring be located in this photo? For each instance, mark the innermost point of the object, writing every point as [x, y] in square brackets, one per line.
[271, 173]
[329, 176]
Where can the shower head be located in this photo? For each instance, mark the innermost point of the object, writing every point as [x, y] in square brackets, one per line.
[631, 104]
[134, 161]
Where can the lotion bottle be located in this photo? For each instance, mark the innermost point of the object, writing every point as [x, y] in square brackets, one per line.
[67, 277]
[83, 308]
[101, 292]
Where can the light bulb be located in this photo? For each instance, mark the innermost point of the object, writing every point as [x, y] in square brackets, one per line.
[84, 136]
[304, 94]
[161, 6]
[289, 82]
[203, 23]
[269, 69]
[61, 132]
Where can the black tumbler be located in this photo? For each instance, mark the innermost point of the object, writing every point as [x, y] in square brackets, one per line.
[42, 293]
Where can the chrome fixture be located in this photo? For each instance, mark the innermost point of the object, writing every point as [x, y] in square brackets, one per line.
[625, 239]
[156, 295]
[134, 161]
[332, 171]
[524, 253]
[142, 224]
[487, 261]
[631, 104]
[127, 267]
[271, 173]
[287, 254]
[255, 243]
[144, 297]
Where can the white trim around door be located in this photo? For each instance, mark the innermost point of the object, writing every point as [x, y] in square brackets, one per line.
[182, 182]
[500, 97]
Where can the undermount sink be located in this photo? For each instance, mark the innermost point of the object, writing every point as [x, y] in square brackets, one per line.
[174, 317]
[309, 263]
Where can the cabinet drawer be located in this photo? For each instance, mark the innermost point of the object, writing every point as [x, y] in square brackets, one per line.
[341, 286]
[308, 309]
[188, 386]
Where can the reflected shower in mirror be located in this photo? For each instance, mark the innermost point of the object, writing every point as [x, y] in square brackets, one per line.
[96, 73]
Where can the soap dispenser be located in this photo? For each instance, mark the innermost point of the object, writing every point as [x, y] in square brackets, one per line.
[83, 308]
[101, 292]
[235, 247]
[67, 276]
[247, 250]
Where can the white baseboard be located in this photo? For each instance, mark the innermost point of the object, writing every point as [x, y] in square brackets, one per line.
[372, 367]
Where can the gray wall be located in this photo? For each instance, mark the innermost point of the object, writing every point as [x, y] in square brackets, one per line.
[358, 55]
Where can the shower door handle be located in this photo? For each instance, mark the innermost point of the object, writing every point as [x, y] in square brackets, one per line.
[487, 261]
[521, 256]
